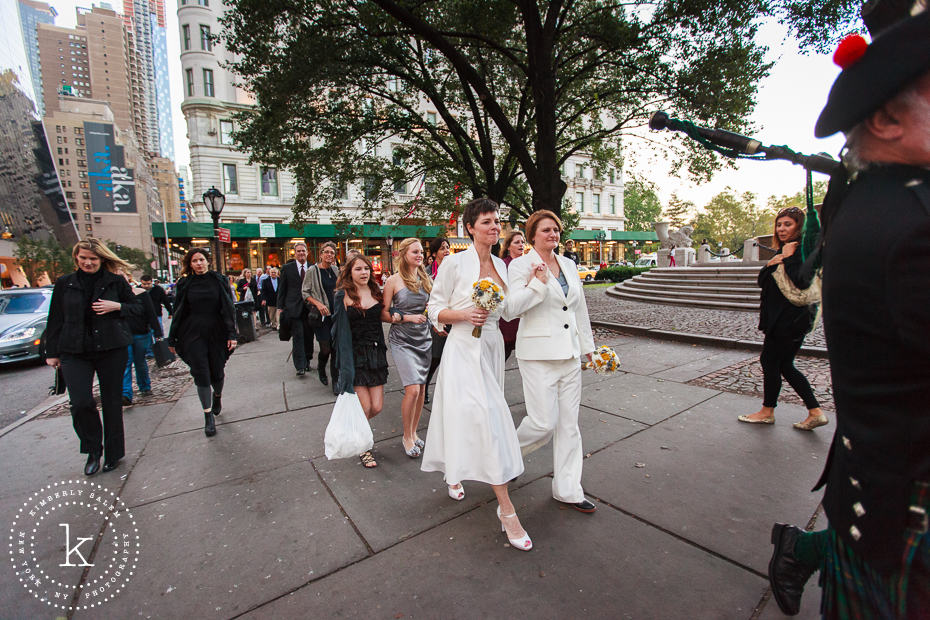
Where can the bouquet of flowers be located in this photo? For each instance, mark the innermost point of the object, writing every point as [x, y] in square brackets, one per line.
[487, 295]
[604, 360]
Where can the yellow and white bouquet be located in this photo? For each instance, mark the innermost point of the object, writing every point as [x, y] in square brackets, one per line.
[487, 295]
[604, 360]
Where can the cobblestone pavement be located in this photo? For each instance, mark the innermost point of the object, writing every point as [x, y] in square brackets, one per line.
[168, 384]
[745, 377]
[735, 324]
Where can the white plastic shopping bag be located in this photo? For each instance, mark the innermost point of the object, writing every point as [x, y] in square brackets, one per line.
[348, 432]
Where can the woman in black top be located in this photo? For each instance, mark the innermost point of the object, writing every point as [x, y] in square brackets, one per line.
[361, 355]
[203, 330]
[785, 326]
[86, 334]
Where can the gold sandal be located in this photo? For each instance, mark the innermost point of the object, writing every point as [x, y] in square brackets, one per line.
[811, 424]
[748, 420]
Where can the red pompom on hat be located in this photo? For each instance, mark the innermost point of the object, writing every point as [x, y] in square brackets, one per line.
[850, 50]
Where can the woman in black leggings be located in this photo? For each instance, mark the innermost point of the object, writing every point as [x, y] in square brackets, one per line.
[203, 330]
[785, 326]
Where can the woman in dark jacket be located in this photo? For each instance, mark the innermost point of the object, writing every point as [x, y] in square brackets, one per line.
[142, 329]
[785, 326]
[86, 334]
[203, 331]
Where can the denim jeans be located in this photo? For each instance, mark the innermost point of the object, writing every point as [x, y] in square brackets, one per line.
[140, 342]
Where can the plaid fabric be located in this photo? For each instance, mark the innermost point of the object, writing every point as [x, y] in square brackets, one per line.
[852, 590]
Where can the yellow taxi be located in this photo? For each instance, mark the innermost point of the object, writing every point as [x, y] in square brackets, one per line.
[587, 273]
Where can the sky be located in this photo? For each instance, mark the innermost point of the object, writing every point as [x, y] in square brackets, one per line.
[789, 101]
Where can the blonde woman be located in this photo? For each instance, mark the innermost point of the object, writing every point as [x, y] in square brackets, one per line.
[405, 296]
[86, 335]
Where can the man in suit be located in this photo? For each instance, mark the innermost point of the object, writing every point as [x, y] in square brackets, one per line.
[291, 304]
[874, 557]
[256, 286]
[269, 291]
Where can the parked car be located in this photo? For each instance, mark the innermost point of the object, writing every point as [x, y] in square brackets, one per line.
[23, 315]
[647, 260]
[586, 273]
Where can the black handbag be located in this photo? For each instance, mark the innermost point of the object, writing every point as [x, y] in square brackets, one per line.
[284, 327]
[59, 386]
[163, 354]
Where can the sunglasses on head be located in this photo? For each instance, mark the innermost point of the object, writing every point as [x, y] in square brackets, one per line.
[788, 211]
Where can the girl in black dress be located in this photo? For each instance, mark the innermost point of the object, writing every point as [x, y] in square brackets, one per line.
[87, 334]
[361, 355]
[203, 330]
[785, 326]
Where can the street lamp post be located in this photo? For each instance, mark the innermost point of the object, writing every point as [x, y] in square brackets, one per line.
[601, 235]
[214, 200]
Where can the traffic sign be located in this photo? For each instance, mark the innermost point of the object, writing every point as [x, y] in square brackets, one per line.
[223, 234]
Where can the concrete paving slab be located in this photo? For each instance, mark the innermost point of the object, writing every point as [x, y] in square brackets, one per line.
[644, 399]
[712, 480]
[18, 598]
[598, 430]
[464, 569]
[218, 552]
[188, 461]
[44, 451]
[187, 412]
[714, 360]
[645, 357]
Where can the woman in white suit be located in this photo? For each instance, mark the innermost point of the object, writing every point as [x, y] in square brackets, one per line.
[554, 333]
[471, 434]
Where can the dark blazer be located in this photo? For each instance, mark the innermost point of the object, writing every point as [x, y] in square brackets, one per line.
[289, 290]
[64, 332]
[341, 336]
[775, 311]
[159, 298]
[142, 324]
[182, 309]
[269, 295]
[253, 286]
[876, 315]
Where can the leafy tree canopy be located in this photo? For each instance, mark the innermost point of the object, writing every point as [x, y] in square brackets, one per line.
[346, 88]
[641, 205]
[730, 219]
[38, 256]
[678, 212]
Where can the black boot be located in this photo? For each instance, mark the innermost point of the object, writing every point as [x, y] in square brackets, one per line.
[93, 464]
[426, 395]
[217, 404]
[209, 427]
[787, 575]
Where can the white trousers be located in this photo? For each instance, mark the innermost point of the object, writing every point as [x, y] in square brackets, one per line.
[552, 389]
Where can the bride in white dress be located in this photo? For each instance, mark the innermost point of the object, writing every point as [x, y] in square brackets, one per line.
[471, 434]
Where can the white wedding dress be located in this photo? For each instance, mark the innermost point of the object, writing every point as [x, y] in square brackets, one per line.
[471, 433]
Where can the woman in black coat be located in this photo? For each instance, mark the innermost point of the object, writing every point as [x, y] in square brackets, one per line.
[86, 334]
[203, 330]
[785, 326]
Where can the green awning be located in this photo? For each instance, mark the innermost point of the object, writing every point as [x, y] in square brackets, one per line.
[615, 235]
[184, 230]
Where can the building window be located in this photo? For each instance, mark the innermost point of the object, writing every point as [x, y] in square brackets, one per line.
[579, 171]
[205, 42]
[400, 187]
[613, 176]
[189, 79]
[269, 181]
[230, 180]
[88, 227]
[579, 202]
[613, 205]
[431, 118]
[186, 36]
[226, 129]
[208, 82]
[597, 203]
[370, 187]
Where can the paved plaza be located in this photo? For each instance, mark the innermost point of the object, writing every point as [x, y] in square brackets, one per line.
[256, 522]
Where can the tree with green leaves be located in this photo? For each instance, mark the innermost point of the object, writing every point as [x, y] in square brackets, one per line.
[38, 256]
[641, 205]
[134, 256]
[730, 219]
[799, 199]
[490, 97]
[678, 212]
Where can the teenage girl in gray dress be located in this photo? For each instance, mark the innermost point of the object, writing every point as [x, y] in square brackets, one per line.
[405, 296]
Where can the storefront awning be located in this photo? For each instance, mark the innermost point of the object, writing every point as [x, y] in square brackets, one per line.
[615, 235]
[185, 230]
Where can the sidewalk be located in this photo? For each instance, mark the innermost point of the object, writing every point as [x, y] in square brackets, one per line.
[255, 522]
